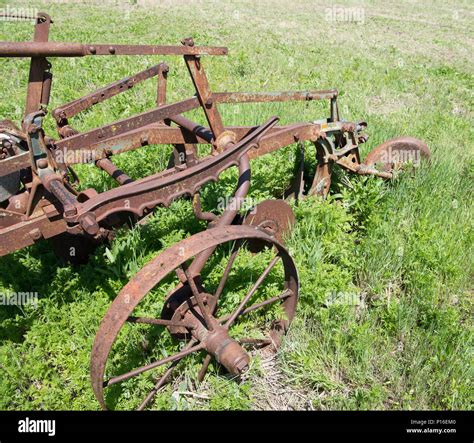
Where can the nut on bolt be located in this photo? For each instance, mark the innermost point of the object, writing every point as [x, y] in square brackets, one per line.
[188, 41]
[70, 211]
[89, 224]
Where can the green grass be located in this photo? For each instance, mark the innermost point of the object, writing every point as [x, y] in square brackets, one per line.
[386, 269]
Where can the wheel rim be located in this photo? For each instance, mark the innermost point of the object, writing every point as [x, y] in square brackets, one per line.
[211, 333]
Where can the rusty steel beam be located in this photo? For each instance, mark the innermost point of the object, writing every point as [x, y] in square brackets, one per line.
[163, 70]
[39, 66]
[256, 97]
[26, 233]
[15, 163]
[284, 136]
[59, 49]
[74, 107]
[188, 133]
[203, 90]
[157, 134]
[117, 174]
[86, 139]
[195, 128]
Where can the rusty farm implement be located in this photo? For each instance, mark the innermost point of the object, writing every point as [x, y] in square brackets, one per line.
[187, 292]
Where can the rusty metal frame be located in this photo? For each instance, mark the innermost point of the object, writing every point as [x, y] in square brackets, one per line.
[50, 192]
[49, 204]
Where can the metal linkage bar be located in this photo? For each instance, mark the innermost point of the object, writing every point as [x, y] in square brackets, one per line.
[203, 90]
[86, 139]
[117, 174]
[39, 81]
[74, 107]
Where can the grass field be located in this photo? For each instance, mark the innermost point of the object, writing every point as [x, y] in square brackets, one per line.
[386, 269]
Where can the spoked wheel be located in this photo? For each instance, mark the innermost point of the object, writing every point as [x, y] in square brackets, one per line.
[392, 154]
[239, 299]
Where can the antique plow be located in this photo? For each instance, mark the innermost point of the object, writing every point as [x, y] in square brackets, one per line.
[39, 200]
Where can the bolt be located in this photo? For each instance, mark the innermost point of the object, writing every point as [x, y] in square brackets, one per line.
[188, 41]
[32, 128]
[92, 49]
[242, 365]
[69, 210]
[89, 224]
[42, 163]
[35, 234]
[112, 50]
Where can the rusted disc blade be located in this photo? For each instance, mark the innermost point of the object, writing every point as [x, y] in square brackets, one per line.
[396, 151]
[274, 216]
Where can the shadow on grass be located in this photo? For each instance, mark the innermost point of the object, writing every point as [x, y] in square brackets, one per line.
[37, 270]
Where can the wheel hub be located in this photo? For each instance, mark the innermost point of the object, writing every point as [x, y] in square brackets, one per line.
[215, 337]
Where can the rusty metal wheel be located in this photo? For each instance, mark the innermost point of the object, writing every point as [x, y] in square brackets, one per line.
[238, 299]
[393, 153]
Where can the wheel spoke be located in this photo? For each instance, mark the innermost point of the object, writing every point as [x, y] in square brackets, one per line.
[171, 358]
[157, 386]
[225, 275]
[255, 341]
[205, 365]
[198, 296]
[285, 294]
[162, 380]
[157, 321]
[252, 291]
[180, 274]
